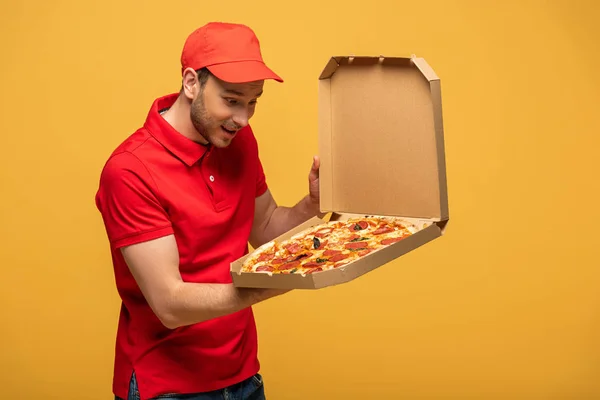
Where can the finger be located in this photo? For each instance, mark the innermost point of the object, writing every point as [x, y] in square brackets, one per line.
[316, 163]
[314, 170]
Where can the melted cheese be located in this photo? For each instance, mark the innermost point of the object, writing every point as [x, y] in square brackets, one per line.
[335, 234]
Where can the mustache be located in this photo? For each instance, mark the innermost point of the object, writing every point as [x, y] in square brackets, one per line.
[232, 126]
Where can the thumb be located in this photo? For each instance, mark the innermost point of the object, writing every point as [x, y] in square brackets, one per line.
[316, 163]
[314, 169]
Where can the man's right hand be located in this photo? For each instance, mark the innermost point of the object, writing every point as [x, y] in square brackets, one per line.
[258, 294]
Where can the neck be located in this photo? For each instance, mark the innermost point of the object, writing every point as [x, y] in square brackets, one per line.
[178, 116]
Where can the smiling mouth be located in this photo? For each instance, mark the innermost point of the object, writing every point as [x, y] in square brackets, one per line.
[228, 131]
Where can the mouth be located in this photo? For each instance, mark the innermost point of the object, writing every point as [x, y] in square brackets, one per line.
[229, 132]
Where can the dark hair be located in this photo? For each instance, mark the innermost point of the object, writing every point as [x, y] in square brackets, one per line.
[203, 75]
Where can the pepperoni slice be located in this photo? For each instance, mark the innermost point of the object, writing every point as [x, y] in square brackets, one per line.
[312, 265]
[278, 261]
[266, 257]
[356, 245]
[288, 266]
[384, 229]
[293, 248]
[391, 240]
[331, 252]
[265, 268]
[338, 257]
[364, 252]
[322, 233]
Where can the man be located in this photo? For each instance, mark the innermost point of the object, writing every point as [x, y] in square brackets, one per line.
[180, 199]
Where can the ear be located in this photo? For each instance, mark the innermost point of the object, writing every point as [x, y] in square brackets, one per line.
[190, 83]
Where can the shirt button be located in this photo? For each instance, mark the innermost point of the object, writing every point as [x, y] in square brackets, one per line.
[212, 178]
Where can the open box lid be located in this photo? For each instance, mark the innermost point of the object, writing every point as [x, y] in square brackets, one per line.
[381, 139]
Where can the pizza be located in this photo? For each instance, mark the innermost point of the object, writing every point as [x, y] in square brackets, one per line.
[327, 246]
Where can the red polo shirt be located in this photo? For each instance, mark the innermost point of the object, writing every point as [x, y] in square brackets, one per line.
[156, 183]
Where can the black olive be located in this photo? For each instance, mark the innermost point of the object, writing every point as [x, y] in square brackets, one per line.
[316, 242]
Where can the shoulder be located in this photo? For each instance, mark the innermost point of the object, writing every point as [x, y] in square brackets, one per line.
[119, 163]
[126, 165]
[128, 155]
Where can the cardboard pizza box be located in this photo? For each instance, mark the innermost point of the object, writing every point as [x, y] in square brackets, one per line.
[381, 144]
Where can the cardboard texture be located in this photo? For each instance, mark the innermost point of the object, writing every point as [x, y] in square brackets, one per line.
[381, 144]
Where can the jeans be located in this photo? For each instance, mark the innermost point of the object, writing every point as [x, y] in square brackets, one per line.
[249, 389]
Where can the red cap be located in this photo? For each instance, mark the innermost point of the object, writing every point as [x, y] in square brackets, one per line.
[231, 52]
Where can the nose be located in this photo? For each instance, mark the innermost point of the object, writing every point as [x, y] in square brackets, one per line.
[241, 118]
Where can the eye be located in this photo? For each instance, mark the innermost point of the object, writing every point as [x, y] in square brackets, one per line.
[236, 102]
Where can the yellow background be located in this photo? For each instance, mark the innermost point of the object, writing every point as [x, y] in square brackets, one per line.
[505, 306]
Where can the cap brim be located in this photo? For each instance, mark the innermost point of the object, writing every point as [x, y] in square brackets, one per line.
[243, 71]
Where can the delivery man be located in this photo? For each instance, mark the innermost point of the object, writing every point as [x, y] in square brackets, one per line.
[180, 199]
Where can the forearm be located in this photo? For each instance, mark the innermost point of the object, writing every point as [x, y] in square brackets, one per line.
[190, 303]
[155, 267]
[285, 218]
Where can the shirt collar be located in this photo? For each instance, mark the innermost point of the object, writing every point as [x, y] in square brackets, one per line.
[182, 147]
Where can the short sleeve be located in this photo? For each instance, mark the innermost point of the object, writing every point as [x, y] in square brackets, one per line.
[127, 199]
[261, 181]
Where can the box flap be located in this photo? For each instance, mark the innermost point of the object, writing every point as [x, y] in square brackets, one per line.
[381, 138]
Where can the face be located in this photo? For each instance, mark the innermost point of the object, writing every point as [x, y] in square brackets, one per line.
[220, 109]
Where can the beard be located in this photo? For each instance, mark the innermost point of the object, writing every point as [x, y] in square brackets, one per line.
[208, 127]
[200, 117]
